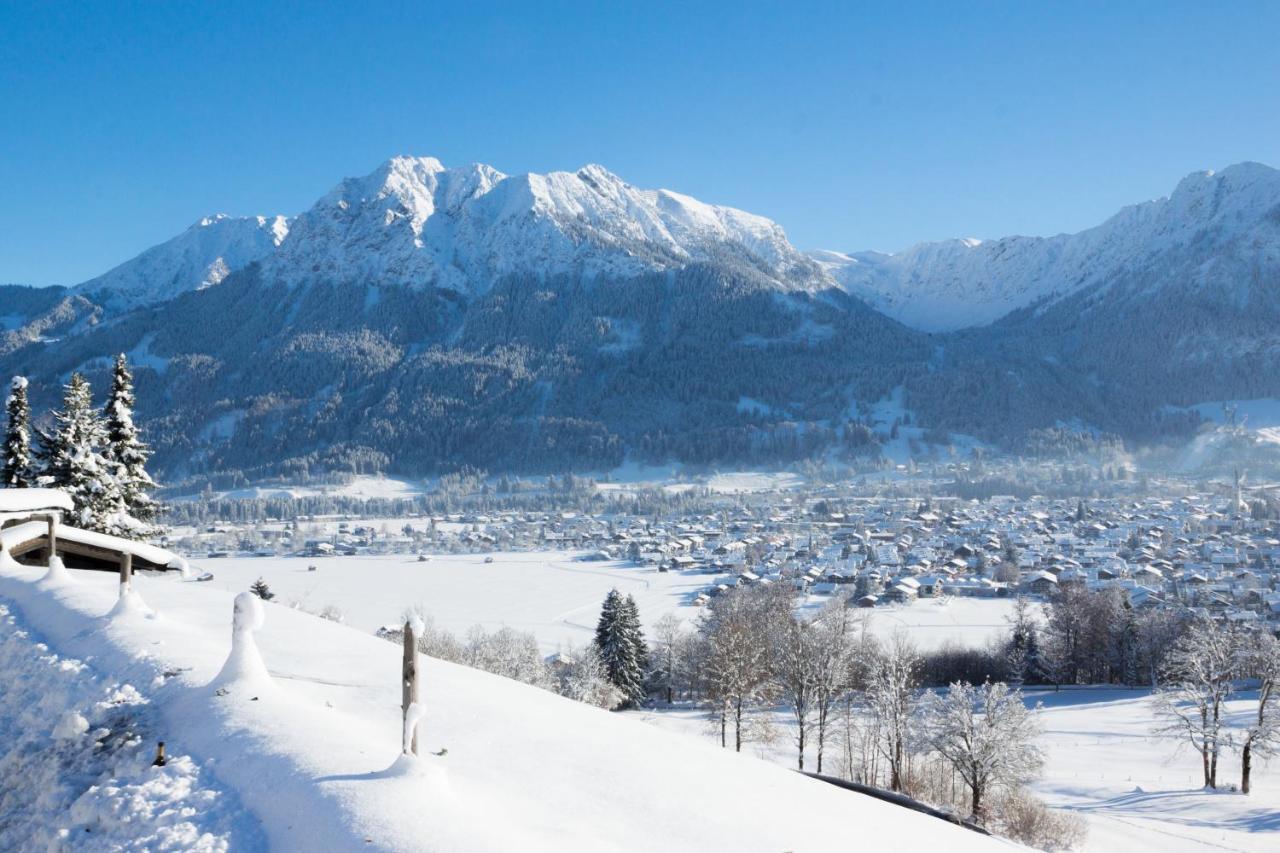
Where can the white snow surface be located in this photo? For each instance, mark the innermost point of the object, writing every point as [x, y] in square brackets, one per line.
[1135, 790]
[22, 501]
[201, 256]
[315, 759]
[552, 594]
[932, 623]
[954, 284]
[76, 772]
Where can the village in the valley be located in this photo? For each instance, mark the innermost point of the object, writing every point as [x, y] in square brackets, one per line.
[1205, 547]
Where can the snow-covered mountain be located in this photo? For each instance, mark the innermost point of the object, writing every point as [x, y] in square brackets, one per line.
[415, 222]
[424, 317]
[1210, 232]
[412, 221]
[199, 257]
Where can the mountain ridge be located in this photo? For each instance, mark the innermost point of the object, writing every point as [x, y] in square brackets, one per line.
[953, 284]
[420, 319]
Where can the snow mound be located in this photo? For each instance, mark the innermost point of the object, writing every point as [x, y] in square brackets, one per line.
[130, 606]
[57, 574]
[244, 669]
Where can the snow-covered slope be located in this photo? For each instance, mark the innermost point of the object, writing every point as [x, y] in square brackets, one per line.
[413, 221]
[199, 257]
[312, 750]
[1211, 230]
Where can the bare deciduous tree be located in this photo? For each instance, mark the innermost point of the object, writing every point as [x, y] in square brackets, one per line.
[892, 701]
[987, 735]
[1262, 735]
[1197, 679]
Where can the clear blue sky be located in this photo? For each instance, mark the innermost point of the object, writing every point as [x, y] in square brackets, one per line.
[855, 126]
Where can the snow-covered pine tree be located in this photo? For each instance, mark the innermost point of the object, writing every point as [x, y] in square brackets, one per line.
[260, 589]
[17, 471]
[126, 452]
[72, 460]
[615, 642]
[635, 635]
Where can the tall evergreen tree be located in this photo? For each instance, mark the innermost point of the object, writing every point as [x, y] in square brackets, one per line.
[72, 460]
[17, 471]
[630, 613]
[615, 642]
[125, 451]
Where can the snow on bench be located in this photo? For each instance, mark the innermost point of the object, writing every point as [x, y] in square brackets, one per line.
[28, 501]
[22, 537]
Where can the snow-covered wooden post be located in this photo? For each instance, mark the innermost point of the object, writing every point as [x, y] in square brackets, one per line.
[126, 572]
[409, 689]
[53, 535]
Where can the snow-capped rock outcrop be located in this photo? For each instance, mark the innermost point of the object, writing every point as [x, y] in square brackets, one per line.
[199, 257]
[415, 222]
[1210, 232]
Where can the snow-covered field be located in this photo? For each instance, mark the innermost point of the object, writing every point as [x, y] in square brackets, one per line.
[359, 487]
[932, 623]
[312, 750]
[1135, 790]
[554, 595]
[1138, 791]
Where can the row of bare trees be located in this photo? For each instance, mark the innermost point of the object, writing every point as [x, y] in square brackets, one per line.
[1202, 671]
[857, 706]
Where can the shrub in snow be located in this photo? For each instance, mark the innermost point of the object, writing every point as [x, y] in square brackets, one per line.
[1025, 819]
[260, 589]
[581, 676]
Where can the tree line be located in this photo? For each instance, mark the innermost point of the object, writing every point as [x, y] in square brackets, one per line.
[96, 456]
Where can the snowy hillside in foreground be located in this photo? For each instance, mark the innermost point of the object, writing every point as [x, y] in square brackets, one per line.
[1225, 218]
[311, 752]
[413, 221]
[199, 257]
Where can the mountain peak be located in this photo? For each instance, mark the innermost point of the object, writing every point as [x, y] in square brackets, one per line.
[414, 221]
[201, 256]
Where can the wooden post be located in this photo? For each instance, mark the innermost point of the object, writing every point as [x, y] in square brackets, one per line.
[126, 571]
[409, 680]
[53, 535]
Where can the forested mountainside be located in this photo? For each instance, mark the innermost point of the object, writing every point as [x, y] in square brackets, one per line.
[421, 319]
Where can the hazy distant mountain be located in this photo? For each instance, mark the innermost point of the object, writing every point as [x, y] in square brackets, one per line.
[1216, 231]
